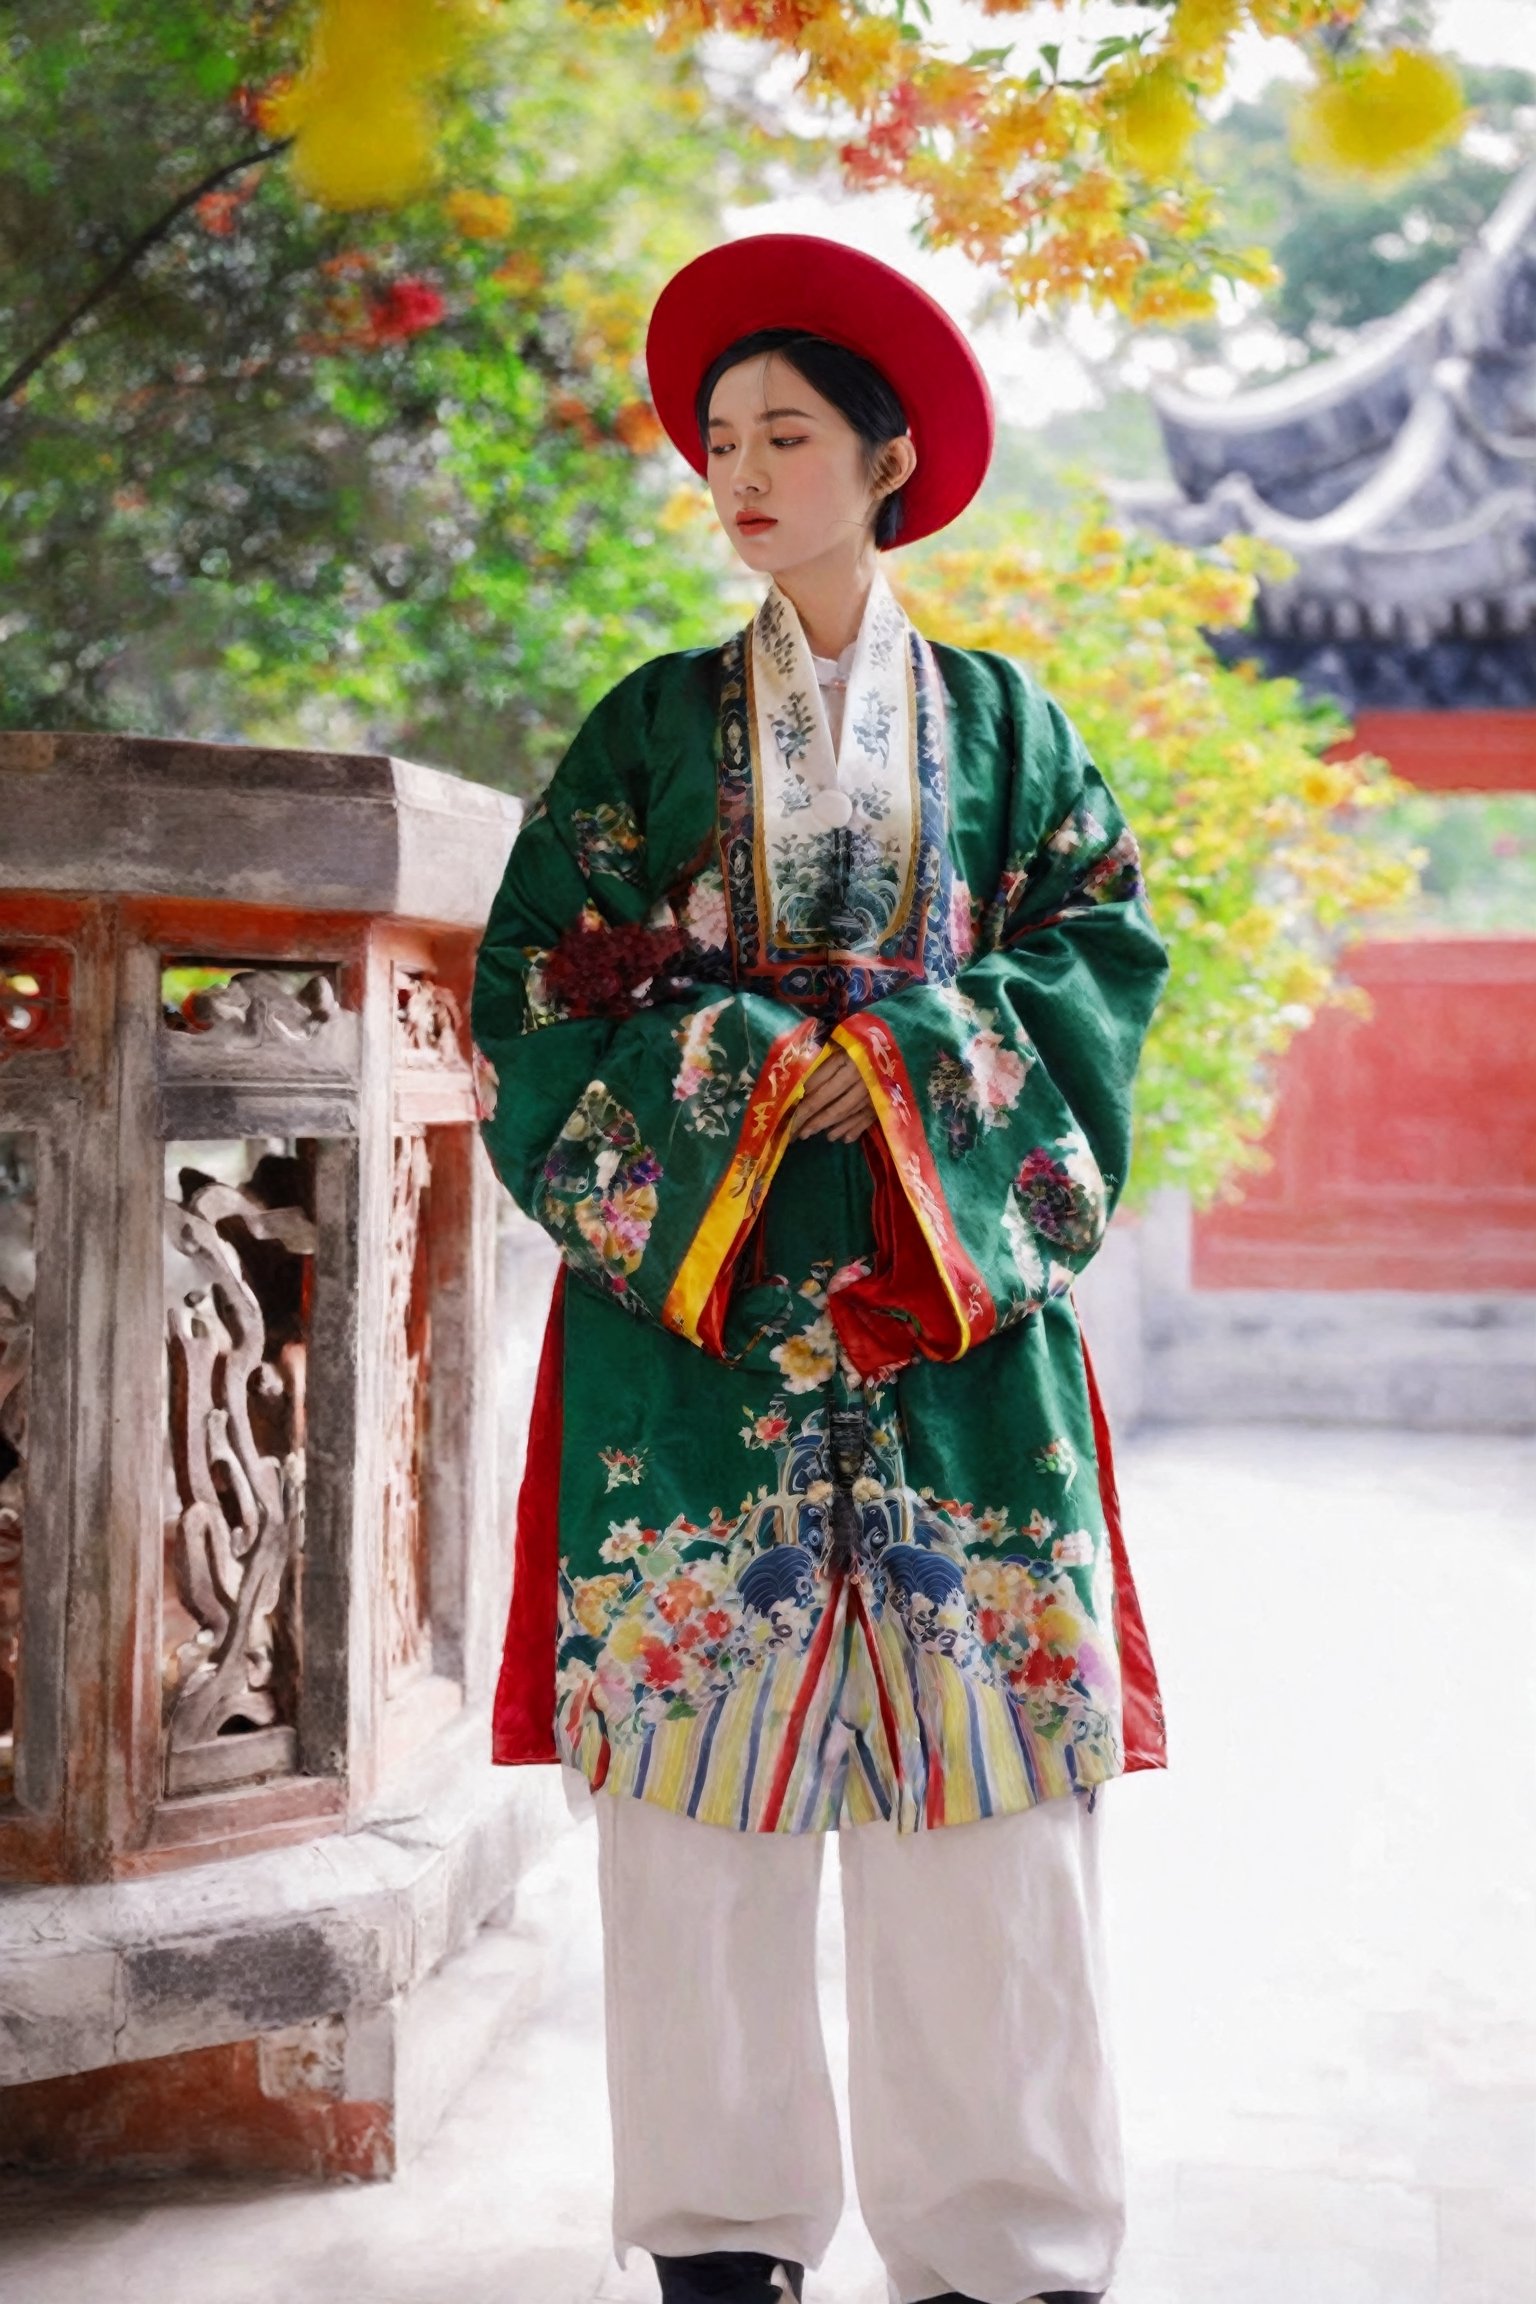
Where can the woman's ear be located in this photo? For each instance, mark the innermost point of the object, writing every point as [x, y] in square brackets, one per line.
[895, 465]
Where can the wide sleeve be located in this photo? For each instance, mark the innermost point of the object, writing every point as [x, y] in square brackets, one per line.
[1003, 1100]
[632, 1104]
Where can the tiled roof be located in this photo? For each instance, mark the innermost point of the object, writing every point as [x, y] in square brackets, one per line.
[1401, 478]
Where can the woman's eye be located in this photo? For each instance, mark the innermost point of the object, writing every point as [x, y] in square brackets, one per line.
[789, 440]
[720, 447]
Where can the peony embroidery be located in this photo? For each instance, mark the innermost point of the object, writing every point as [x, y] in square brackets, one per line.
[976, 1090]
[809, 1359]
[1063, 1200]
[704, 914]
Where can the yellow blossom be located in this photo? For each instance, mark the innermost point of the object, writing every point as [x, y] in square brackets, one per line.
[682, 509]
[1327, 785]
[1150, 121]
[593, 1598]
[1379, 117]
[521, 271]
[1057, 1626]
[360, 112]
[627, 1638]
[854, 58]
[479, 215]
[1199, 25]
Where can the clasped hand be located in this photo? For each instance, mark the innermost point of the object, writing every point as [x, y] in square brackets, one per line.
[836, 1102]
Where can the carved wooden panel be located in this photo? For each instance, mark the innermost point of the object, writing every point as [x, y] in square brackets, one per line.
[259, 1008]
[407, 1356]
[251, 1051]
[34, 997]
[18, 1272]
[238, 1260]
[433, 1081]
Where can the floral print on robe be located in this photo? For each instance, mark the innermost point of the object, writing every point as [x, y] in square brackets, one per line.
[818, 1524]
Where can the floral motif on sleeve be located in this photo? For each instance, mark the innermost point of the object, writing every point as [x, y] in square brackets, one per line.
[713, 1097]
[603, 968]
[1115, 878]
[976, 1090]
[1062, 1199]
[609, 840]
[597, 1191]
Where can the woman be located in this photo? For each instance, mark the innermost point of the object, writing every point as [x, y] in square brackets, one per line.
[808, 1011]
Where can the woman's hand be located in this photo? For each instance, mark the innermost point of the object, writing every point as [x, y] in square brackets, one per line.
[836, 1102]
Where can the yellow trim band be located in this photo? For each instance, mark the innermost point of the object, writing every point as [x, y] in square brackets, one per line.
[735, 1198]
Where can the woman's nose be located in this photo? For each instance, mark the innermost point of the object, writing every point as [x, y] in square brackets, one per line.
[750, 473]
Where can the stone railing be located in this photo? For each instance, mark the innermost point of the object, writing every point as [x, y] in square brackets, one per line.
[249, 1545]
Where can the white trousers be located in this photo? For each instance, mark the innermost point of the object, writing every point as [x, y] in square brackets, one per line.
[986, 2139]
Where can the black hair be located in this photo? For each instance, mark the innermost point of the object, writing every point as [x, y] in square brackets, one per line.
[855, 387]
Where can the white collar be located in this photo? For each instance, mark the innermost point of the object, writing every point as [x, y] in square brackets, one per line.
[866, 785]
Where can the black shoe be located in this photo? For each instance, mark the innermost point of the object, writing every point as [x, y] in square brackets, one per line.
[727, 2276]
[1046, 2296]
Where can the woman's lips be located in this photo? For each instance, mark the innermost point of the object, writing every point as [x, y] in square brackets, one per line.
[753, 523]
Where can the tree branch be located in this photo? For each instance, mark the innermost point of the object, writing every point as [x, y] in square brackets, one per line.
[118, 272]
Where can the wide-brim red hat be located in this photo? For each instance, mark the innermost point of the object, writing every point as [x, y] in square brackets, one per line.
[794, 280]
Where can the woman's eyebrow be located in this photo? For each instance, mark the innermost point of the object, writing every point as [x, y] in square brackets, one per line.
[766, 416]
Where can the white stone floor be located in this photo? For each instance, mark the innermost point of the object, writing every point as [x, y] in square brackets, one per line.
[1322, 1930]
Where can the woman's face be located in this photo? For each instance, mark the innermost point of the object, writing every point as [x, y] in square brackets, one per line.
[787, 470]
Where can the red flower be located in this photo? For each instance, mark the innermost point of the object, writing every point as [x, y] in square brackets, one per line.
[575, 416]
[403, 310]
[992, 1624]
[1044, 1671]
[639, 427]
[596, 971]
[717, 1623]
[663, 1668]
[679, 1598]
[216, 212]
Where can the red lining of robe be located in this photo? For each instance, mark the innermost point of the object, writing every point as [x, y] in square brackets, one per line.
[523, 1714]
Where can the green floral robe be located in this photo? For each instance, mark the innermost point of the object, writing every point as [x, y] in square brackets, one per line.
[818, 1524]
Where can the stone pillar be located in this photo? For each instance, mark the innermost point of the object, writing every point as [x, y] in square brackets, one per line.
[251, 1567]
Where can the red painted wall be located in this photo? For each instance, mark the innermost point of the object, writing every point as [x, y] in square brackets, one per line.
[1404, 1144]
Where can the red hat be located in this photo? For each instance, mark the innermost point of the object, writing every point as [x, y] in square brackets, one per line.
[793, 280]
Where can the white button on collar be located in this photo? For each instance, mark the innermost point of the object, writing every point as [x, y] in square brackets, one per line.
[832, 809]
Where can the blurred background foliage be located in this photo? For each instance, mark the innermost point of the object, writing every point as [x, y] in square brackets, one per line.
[347, 479]
[1258, 850]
